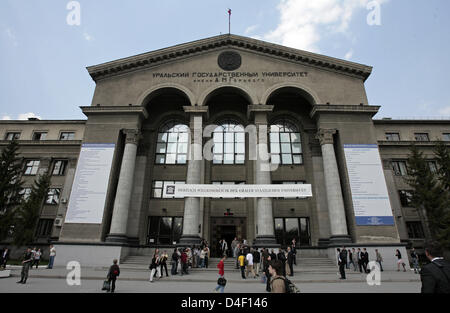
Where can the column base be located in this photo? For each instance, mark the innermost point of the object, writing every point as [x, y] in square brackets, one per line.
[134, 241]
[323, 242]
[265, 242]
[116, 238]
[340, 239]
[189, 241]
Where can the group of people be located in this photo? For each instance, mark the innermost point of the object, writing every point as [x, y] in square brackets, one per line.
[31, 258]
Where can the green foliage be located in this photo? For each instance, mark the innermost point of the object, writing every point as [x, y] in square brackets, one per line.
[28, 213]
[10, 187]
[430, 195]
[442, 152]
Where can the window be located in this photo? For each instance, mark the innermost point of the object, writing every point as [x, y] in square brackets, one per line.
[229, 143]
[172, 144]
[392, 137]
[405, 197]
[44, 228]
[415, 230]
[25, 193]
[31, 167]
[67, 136]
[158, 188]
[289, 228]
[421, 137]
[164, 230]
[39, 135]
[432, 165]
[53, 196]
[59, 168]
[399, 168]
[285, 143]
[446, 136]
[289, 183]
[12, 136]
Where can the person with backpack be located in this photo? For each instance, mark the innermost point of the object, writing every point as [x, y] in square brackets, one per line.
[277, 281]
[221, 282]
[435, 276]
[113, 273]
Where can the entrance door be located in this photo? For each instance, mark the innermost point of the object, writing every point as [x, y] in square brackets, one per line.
[226, 228]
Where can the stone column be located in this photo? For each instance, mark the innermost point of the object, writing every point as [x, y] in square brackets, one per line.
[338, 223]
[118, 230]
[265, 236]
[191, 217]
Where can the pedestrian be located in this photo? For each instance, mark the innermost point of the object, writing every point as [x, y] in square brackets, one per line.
[113, 273]
[365, 255]
[37, 258]
[415, 261]
[435, 276]
[360, 261]
[52, 257]
[154, 266]
[184, 263]
[400, 261]
[175, 258]
[221, 281]
[345, 253]
[249, 259]
[294, 250]
[290, 261]
[277, 282]
[267, 272]
[342, 259]
[350, 258]
[234, 244]
[379, 259]
[26, 262]
[282, 257]
[33, 254]
[273, 256]
[241, 260]
[355, 259]
[202, 257]
[163, 264]
[4, 257]
[195, 257]
[256, 261]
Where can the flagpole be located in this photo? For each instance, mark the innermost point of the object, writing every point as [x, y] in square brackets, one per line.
[229, 21]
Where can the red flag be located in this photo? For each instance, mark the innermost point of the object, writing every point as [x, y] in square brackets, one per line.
[229, 11]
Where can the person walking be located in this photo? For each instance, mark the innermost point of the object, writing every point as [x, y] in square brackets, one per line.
[4, 257]
[52, 257]
[163, 264]
[175, 258]
[234, 244]
[26, 262]
[256, 261]
[184, 263]
[350, 258]
[399, 261]
[415, 260]
[33, 254]
[355, 259]
[221, 281]
[435, 276]
[345, 253]
[249, 259]
[37, 258]
[202, 257]
[282, 257]
[360, 260]
[294, 250]
[154, 266]
[379, 259]
[273, 256]
[113, 273]
[365, 258]
[342, 259]
[241, 260]
[291, 261]
[277, 282]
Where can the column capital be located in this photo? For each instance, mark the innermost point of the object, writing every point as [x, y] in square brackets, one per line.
[325, 136]
[132, 136]
[258, 108]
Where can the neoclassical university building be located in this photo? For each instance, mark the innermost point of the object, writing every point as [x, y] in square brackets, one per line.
[109, 172]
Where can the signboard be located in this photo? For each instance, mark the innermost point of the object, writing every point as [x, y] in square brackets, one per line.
[238, 191]
[368, 185]
[87, 199]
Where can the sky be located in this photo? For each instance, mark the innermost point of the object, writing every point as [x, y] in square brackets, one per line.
[43, 58]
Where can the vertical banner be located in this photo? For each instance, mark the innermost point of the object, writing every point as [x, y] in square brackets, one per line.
[368, 185]
[87, 199]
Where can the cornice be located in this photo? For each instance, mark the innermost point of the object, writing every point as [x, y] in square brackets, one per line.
[132, 109]
[409, 143]
[44, 142]
[170, 54]
[334, 108]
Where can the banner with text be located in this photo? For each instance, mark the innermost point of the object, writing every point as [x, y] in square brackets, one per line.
[238, 191]
[368, 185]
[87, 199]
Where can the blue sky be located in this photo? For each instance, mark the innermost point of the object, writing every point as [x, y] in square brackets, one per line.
[43, 59]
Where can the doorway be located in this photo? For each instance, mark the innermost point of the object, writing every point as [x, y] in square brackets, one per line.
[226, 228]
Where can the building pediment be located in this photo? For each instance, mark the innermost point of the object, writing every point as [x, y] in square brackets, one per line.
[199, 47]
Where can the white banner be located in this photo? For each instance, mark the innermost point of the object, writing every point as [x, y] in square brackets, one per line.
[87, 199]
[238, 191]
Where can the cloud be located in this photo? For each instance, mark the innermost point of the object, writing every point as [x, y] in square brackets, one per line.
[6, 118]
[87, 37]
[12, 36]
[25, 116]
[251, 29]
[445, 111]
[303, 23]
[349, 55]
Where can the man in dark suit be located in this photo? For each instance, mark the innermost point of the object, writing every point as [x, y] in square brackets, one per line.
[342, 261]
[435, 276]
[365, 259]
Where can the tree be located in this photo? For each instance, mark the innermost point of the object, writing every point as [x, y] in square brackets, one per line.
[429, 197]
[10, 187]
[29, 211]
[442, 152]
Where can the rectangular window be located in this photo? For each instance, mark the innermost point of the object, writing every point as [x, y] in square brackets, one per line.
[164, 230]
[432, 165]
[415, 230]
[399, 168]
[421, 137]
[158, 188]
[12, 136]
[39, 135]
[44, 228]
[446, 136]
[289, 228]
[392, 136]
[67, 136]
[31, 167]
[405, 197]
[59, 167]
[53, 196]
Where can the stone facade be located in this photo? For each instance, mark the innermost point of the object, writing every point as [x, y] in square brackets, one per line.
[323, 97]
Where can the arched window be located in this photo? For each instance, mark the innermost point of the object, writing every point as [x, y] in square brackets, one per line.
[172, 145]
[285, 143]
[229, 143]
